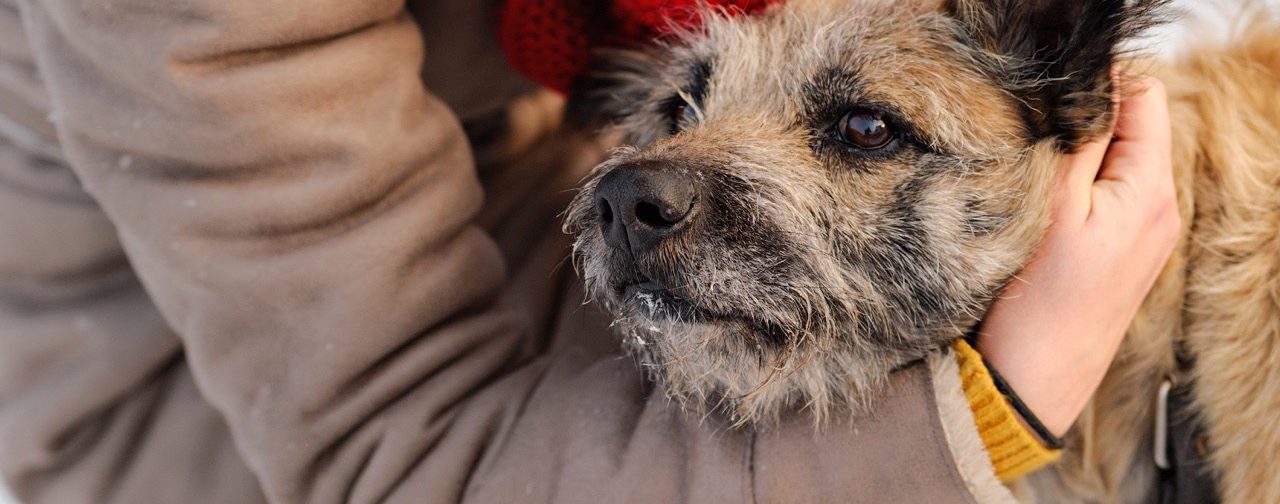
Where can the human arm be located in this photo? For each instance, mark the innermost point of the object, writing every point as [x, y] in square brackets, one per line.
[1056, 329]
[96, 402]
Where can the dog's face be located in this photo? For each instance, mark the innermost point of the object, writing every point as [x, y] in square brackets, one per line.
[818, 194]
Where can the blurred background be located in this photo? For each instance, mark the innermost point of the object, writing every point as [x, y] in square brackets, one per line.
[1204, 19]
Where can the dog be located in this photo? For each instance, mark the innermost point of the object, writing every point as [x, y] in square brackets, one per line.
[811, 197]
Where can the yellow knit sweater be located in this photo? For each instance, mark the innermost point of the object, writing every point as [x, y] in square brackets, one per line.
[1013, 449]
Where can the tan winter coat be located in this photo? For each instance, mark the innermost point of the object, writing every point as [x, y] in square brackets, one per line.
[246, 255]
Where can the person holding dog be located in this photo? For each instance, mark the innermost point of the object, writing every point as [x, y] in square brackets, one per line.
[252, 253]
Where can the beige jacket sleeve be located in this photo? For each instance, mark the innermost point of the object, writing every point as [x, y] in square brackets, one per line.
[303, 214]
[96, 402]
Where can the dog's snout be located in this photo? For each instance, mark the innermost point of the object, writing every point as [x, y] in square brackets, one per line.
[641, 205]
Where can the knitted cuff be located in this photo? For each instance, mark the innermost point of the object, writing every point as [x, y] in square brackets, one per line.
[1014, 451]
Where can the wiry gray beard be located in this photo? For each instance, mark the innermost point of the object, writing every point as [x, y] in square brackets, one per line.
[713, 368]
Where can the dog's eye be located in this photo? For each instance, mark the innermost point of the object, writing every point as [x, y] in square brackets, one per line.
[682, 116]
[864, 130]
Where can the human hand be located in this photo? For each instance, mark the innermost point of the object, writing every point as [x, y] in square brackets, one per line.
[1056, 329]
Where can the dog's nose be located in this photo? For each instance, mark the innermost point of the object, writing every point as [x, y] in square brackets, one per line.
[640, 205]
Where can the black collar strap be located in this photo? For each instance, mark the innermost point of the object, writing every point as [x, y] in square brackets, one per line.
[1049, 439]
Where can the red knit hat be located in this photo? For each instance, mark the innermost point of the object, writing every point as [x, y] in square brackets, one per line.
[550, 41]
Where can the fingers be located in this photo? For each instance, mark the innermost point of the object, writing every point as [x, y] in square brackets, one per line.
[1137, 172]
[1074, 194]
[1143, 135]
[1133, 156]
[1081, 168]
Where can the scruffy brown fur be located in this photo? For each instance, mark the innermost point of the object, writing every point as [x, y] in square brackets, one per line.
[816, 268]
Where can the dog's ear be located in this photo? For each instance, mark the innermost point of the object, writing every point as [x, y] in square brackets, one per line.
[1055, 56]
[618, 84]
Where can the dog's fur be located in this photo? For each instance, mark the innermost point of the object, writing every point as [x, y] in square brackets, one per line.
[817, 268]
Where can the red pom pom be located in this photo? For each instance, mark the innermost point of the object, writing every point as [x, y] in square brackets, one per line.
[550, 41]
[547, 41]
[659, 17]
